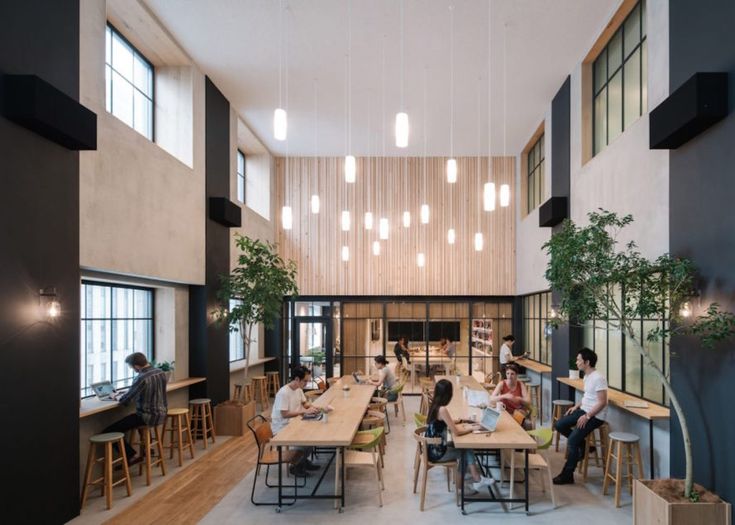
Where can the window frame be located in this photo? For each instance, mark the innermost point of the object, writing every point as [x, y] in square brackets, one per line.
[625, 56]
[533, 171]
[85, 392]
[136, 52]
[240, 177]
[533, 313]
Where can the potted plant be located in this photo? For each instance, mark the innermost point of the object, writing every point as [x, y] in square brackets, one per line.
[573, 370]
[588, 270]
[255, 288]
[165, 366]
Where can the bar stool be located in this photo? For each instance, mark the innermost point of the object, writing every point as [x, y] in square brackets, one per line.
[627, 445]
[243, 393]
[106, 482]
[600, 444]
[180, 426]
[147, 442]
[273, 380]
[560, 406]
[260, 392]
[201, 420]
[535, 391]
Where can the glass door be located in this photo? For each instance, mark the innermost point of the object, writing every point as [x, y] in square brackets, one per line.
[314, 347]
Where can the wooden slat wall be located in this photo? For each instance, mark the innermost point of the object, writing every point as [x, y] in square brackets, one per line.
[387, 186]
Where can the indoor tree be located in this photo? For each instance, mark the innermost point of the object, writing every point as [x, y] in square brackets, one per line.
[253, 292]
[596, 280]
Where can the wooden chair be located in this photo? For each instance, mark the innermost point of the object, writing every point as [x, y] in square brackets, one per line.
[536, 461]
[364, 453]
[109, 441]
[425, 465]
[374, 419]
[399, 401]
[628, 451]
[180, 433]
[268, 456]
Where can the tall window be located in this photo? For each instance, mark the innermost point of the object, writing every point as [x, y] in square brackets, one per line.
[241, 176]
[258, 187]
[237, 347]
[129, 83]
[115, 322]
[620, 78]
[621, 363]
[536, 328]
[535, 187]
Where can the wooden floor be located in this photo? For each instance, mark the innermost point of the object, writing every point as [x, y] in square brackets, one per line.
[191, 493]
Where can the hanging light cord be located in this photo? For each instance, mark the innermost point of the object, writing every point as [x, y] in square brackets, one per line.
[489, 93]
[402, 68]
[451, 81]
[280, 53]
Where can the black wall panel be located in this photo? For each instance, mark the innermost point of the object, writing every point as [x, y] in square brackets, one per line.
[701, 222]
[39, 247]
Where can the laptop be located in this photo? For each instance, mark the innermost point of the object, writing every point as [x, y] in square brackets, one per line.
[103, 390]
[356, 377]
[489, 419]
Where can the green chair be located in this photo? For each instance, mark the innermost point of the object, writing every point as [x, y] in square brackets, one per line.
[397, 390]
[364, 452]
[537, 461]
[419, 419]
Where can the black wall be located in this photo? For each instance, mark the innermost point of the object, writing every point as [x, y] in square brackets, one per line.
[702, 226]
[208, 341]
[39, 247]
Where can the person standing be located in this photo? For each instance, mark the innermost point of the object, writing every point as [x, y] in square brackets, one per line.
[151, 404]
[584, 417]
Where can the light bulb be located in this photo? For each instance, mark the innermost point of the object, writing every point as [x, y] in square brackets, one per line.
[54, 309]
[452, 171]
[478, 242]
[488, 196]
[345, 253]
[424, 214]
[287, 217]
[504, 195]
[376, 247]
[368, 220]
[345, 221]
[401, 130]
[280, 124]
[350, 169]
[406, 219]
[420, 260]
[315, 204]
[450, 236]
[685, 310]
[384, 228]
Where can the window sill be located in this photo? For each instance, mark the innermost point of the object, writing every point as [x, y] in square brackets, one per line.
[240, 364]
[617, 399]
[91, 405]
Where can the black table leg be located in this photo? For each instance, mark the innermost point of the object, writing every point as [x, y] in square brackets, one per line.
[462, 467]
[650, 443]
[280, 479]
[344, 471]
[525, 478]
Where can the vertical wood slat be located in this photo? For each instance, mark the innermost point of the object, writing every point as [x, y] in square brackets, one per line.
[387, 186]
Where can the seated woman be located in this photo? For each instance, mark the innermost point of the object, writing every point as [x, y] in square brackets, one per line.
[514, 395]
[438, 422]
[386, 380]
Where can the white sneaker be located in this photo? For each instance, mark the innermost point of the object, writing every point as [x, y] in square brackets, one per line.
[484, 482]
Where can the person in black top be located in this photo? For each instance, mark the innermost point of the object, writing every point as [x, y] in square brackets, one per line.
[438, 422]
[401, 350]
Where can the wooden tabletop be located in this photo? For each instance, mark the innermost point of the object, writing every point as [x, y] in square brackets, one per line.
[91, 405]
[534, 365]
[508, 434]
[618, 399]
[342, 424]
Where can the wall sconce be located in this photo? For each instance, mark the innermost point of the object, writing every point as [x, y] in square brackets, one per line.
[685, 310]
[553, 313]
[48, 302]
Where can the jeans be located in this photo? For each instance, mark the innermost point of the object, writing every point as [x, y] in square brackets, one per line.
[567, 426]
[127, 423]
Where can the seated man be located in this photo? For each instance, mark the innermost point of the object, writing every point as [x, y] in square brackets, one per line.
[401, 350]
[585, 416]
[291, 402]
[151, 404]
[386, 379]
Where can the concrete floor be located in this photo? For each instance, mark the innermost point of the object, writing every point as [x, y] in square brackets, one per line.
[577, 503]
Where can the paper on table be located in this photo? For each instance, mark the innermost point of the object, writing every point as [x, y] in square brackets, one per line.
[477, 398]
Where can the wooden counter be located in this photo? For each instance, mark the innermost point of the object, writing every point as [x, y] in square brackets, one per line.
[534, 365]
[618, 399]
[92, 405]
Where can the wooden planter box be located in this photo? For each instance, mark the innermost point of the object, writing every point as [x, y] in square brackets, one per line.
[651, 509]
[231, 417]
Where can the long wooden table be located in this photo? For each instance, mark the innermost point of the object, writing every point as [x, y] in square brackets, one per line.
[508, 435]
[337, 432]
[618, 399]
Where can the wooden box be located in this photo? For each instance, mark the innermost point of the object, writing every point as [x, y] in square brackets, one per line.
[231, 417]
[651, 509]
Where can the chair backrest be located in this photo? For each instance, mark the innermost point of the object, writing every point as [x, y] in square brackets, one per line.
[543, 437]
[377, 435]
[262, 432]
[419, 419]
[423, 441]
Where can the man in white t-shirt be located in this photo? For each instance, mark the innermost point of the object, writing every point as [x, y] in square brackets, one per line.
[584, 417]
[291, 402]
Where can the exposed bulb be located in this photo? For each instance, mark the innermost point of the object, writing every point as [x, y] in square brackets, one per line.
[287, 217]
[384, 228]
[345, 253]
[54, 309]
[368, 220]
[376, 247]
[280, 124]
[424, 214]
[345, 221]
[504, 195]
[420, 260]
[452, 171]
[685, 310]
[350, 169]
[478, 242]
[406, 219]
[315, 204]
[488, 196]
[451, 236]
[401, 130]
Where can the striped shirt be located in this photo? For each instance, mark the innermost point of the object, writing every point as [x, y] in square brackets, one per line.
[149, 392]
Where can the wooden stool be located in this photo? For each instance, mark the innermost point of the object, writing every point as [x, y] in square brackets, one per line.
[260, 392]
[535, 391]
[273, 380]
[560, 406]
[201, 420]
[147, 442]
[600, 452]
[106, 482]
[627, 445]
[243, 393]
[180, 426]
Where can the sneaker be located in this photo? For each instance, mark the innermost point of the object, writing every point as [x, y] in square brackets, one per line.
[565, 478]
[484, 482]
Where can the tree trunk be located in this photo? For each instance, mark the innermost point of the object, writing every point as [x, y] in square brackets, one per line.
[246, 332]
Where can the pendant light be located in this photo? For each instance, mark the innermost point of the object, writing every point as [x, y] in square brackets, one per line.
[345, 253]
[402, 117]
[452, 162]
[315, 204]
[376, 247]
[286, 211]
[420, 260]
[345, 221]
[350, 164]
[350, 169]
[368, 220]
[478, 241]
[406, 219]
[488, 190]
[451, 236]
[280, 120]
[384, 229]
[488, 194]
[504, 188]
[315, 201]
[287, 217]
[504, 195]
[424, 213]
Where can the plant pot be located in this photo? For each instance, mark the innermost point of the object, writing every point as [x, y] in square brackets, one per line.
[574, 374]
[660, 502]
[231, 417]
[169, 376]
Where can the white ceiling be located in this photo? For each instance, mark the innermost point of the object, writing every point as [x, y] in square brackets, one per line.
[236, 43]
